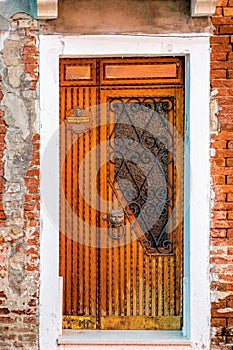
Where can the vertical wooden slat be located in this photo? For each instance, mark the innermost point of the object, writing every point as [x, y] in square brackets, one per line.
[128, 271]
[116, 280]
[74, 225]
[172, 286]
[147, 284]
[68, 194]
[62, 270]
[74, 212]
[134, 276]
[160, 286]
[153, 288]
[80, 215]
[110, 199]
[93, 209]
[166, 285]
[122, 279]
[140, 278]
[103, 212]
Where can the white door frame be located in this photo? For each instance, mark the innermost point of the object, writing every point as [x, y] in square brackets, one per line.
[196, 281]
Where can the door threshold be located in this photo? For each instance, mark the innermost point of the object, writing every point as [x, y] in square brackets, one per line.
[115, 337]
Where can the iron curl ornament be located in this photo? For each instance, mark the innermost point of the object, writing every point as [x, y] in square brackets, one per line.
[142, 152]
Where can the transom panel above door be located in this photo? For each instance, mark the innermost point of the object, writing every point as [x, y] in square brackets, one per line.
[121, 192]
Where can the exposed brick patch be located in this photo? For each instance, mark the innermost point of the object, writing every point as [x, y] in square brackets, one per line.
[19, 187]
[221, 253]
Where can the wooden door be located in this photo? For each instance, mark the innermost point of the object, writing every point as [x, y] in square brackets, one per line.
[121, 197]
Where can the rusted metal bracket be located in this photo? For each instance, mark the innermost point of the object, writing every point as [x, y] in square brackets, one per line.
[202, 8]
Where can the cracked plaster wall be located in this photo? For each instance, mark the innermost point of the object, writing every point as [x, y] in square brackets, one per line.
[19, 230]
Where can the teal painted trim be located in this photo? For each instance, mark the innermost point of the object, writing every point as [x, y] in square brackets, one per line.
[186, 281]
[33, 8]
[10, 7]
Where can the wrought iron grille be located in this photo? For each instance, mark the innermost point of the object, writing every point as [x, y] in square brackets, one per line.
[142, 149]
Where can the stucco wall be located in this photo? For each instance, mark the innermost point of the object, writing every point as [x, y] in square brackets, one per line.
[19, 190]
[125, 17]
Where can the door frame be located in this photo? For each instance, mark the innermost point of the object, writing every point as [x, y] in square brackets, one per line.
[197, 194]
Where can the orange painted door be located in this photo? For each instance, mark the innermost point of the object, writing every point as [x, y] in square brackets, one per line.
[121, 192]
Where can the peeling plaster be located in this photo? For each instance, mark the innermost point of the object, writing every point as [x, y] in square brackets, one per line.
[216, 296]
[214, 110]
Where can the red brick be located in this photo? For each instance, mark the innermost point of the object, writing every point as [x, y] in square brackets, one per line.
[218, 74]
[228, 278]
[29, 198]
[33, 241]
[32, 50]
[31, 181]
[36, 138]
[33, 173]
[224, 135]
[225, 29]
[219, 144]
[31, 68]
[216, 322]
[221, 287]
[221, 22]
[32, 250]
[229, 162]
[218, 179]
[219, 56]
[223, 206]
[29, 320]
[4, 311]
[219, 83]
[230, 73]
[225, 101]
[223, 188]
[218, 48]
[230, 179]
[222, 224]
[218, 12]
[29, 207]
[226, 126]
[6, 319]
[226, 153]
[218, 232]
[220, 162]
[228, 11]
[221, 64]
[219, 215]
[222, 2]
[29, 59]
[222, 242]
[219, 39]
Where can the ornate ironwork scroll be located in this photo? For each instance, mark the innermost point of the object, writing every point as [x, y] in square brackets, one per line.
[142, 146]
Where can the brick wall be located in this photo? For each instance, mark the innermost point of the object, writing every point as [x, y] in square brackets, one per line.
[19, 187]
[221, 252]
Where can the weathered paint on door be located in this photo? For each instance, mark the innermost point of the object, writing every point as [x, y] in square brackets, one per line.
[121, 197]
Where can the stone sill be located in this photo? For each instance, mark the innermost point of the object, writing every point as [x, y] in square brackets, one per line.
[160, 338]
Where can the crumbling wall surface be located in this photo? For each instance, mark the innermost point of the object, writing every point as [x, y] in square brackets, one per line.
[125, 17]
[19, 186]
[221, 250]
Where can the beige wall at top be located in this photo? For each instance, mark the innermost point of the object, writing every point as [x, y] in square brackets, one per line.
[125, 17]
